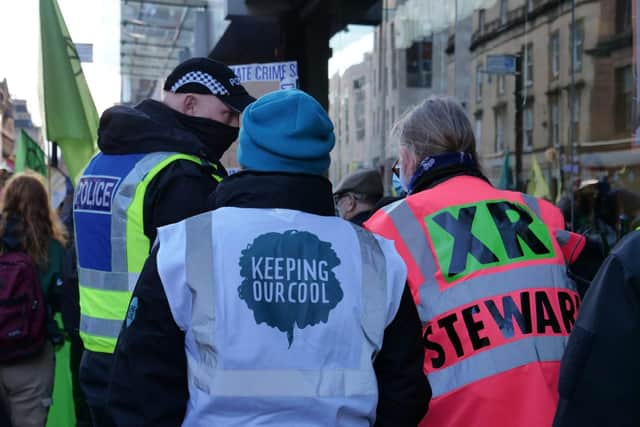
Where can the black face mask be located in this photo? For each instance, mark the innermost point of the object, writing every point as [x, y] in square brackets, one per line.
[215, 136]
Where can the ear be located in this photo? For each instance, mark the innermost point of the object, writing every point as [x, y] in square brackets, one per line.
[408, 161]
[351, 203]
[189, 104]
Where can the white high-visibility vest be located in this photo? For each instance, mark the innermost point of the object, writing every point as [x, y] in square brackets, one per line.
[283, 314]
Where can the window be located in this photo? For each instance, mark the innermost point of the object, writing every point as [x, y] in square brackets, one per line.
[481, 20]
[479, 82]
[578, 49]
[359, 112]
[346, 121]
[503, 11]
[623, 16]
[501, 79]
[530, 6]
[394, 60]
[527, 127]
[499, 126]
[478, 132]
[575, 117]
[528, 65]
[420, 64]
[375, 79]
[554, 119]
[554, 55]
[624, 99]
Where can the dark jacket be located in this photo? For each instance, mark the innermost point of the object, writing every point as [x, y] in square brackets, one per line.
[600, 373]
[149, 379]
[181, 188]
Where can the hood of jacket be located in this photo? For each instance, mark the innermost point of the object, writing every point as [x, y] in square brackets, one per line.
[148, 127]
[275, 190]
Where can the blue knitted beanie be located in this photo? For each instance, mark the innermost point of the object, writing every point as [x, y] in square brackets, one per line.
[286, 131]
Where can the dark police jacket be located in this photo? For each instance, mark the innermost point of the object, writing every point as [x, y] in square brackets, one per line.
[181, 188]
[149, 379]
[600, 371]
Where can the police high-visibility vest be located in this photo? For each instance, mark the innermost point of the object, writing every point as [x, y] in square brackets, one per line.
[110, 240]
[487, 271]
[283, 313]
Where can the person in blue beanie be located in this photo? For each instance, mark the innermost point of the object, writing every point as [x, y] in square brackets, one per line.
[272, 311]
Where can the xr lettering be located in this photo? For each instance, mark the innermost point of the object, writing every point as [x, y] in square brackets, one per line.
[486, 234]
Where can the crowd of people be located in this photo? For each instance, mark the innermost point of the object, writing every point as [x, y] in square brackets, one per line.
[271, 297]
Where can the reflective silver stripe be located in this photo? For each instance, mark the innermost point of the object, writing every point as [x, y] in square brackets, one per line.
[482, 287]
[122, 201]
[374, 290]
[388, 208]
[199, 247]
[107, 280]
[497, 360]
[412, 234]
[562, 237]
[533, 204]
[434, 302]
[293, 383]
[101, 327]
[204, 371]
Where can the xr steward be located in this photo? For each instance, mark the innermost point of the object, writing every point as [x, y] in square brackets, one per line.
[497, 321]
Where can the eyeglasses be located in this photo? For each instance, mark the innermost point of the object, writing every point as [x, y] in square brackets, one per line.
[396, 168]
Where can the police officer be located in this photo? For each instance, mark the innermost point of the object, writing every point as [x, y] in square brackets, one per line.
[157, 163]
[270, 310]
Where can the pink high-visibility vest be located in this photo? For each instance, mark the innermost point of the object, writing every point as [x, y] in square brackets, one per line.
[487, 271]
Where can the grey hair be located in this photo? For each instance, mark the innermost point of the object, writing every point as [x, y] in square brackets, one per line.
[437, 125]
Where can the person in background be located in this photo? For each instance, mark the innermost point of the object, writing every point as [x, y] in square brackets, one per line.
[357, 195]
[28, 224]
[157, 164]
[269, 310]
[600, 373]
[487, 271]
[70, 309]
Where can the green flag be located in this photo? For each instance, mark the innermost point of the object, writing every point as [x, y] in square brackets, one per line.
[70, 116]
[537, 185]
[29, 155]
[506, 179]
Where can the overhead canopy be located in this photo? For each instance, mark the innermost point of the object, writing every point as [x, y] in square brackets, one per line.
[155, 34]
[257, 32]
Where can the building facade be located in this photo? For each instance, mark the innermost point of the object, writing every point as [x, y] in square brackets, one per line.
[7, 127]
[23, 121]
[408, 63]
[586, 115]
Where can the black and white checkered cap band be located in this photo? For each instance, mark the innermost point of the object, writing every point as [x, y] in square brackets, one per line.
[204, 79]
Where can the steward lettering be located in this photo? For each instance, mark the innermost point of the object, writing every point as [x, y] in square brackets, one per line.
[489, 323]
[511, 311]
[474, 327]
[439, 360]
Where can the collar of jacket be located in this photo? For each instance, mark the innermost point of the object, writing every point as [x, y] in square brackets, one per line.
[271, 190]
[433, 178]
[149, 127]
[362, 217]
